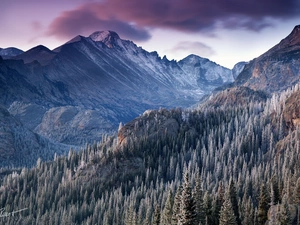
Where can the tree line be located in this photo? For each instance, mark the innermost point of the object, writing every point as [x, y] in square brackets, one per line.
[215, 166]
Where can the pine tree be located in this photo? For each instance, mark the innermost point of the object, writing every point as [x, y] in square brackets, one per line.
[234, 201]
[219, 203]
[285, 215]
[275, 190]
[263, 206]
[156, 219]
[130, 216]
[227, 216]
[176, 206]
[198, 197]
[296, 193]
[188, 206]
[296, 198]
[248, 211]
[167, 212]
[207, 204]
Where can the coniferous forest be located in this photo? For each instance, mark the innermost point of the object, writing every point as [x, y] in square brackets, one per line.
[231, 164]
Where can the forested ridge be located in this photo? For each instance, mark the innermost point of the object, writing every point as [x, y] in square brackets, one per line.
[226, 165]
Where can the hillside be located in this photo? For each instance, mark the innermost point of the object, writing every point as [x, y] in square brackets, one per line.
[135, 177]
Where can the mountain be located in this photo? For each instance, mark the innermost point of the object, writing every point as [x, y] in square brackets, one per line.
[276, 69]
[236, 163]
[6, 53]
[21, 147]
[86, 87]
[238, 68]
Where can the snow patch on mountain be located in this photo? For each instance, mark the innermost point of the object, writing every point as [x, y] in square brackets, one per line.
[109, 38]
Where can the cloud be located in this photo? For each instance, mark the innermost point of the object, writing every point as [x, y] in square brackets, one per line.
[197, 48]
[88, 19]
[134, 19]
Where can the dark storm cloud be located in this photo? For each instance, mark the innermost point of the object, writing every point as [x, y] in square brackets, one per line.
[85, 21]
[133, 18]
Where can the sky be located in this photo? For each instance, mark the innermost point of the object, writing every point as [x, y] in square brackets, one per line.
[224, 31]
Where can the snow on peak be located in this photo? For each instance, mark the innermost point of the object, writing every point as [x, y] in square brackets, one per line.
[109, 38]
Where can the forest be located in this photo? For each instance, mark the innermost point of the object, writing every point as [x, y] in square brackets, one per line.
[231, 164]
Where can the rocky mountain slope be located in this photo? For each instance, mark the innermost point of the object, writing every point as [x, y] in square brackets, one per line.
[276, 69]
[78, 91]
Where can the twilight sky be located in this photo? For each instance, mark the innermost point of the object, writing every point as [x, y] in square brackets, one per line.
[225, 31]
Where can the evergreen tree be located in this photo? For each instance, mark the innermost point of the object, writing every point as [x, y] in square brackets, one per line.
[234, 201]
[168, 209]
[176, 206]
[296, 193]
[227, 216]
[188, 206]
[263, 205]
[130, 216]
[156, 219]
[275, 196]
[207, 205]
[248, 211]
[296, 198]
[219, 203]
[198, 197]
[284, 214]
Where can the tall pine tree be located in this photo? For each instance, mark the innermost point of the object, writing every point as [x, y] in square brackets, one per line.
[167, 212]
[188, 206]
[234, 201]
[198, 197]
[263, 205]
[227, 216]
[176, 206]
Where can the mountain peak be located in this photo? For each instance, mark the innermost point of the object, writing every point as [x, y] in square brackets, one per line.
[293, 38]
[109, 38]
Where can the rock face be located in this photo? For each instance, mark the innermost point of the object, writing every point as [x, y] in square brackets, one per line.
[276, 69]
[291, 113]
[238, 68]
[89, 85]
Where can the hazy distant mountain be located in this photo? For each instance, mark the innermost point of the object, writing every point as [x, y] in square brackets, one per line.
[6, 53]
[90, 84]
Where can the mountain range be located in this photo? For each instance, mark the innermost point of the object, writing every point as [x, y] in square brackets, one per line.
[86, 87]
[74, 94]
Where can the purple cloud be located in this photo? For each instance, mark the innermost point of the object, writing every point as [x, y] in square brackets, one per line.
[133, 19]
[85, 21]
